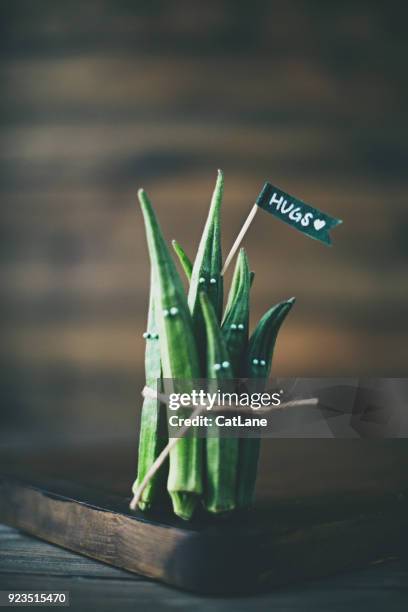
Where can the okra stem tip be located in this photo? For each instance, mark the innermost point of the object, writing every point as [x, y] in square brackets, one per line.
[143, 199]
[291, 300]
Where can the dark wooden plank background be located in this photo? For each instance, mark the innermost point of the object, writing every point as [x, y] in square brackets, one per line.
[99, 98]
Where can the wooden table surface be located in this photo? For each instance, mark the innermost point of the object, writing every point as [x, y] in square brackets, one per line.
[29, 564]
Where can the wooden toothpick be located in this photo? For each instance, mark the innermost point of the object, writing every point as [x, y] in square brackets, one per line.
[239, 238]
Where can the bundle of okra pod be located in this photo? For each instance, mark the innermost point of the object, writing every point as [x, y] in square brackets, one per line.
[191, 337]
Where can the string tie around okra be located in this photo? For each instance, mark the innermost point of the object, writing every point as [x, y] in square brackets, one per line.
[163, 398]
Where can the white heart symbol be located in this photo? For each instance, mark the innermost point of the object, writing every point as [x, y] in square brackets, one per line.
[318, 224]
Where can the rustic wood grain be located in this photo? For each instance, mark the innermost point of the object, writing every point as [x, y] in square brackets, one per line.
[96, 585]
[345, 506]
[29, 557]
[381, 586]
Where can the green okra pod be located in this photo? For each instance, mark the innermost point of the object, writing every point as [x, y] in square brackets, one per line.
[236, 318]
[262, 342]
[206, 274]
[221, 453]
[179, 359]
[153, 432]
[183, 259]
[259, 360]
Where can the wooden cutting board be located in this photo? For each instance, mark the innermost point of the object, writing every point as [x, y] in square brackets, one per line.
[322, 506]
